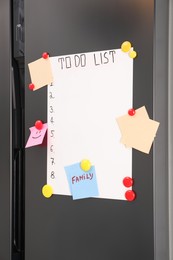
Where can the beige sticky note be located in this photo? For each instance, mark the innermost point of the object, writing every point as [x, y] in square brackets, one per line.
[138, 131]
[40, 72]
[142, 112]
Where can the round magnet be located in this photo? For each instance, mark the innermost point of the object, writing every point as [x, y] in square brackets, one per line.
[130, 195]
[47, 191]
[85, 165]
[126, 46]
[45, 55]
[39, 124]
[131, 112]
[128, 182]
[31, 86]
[132, 54]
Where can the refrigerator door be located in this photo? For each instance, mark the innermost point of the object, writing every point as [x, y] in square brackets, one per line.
[5, 131]
[11, 134]
[60, 228]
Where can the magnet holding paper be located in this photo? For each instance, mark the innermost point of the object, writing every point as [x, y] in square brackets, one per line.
[128, 182]
[131, 112]
[47, 191]
[126, 46]
[31, 86]
[45, 55]
[85, 165]
[133, 54]
[130, 195]
[39, 124]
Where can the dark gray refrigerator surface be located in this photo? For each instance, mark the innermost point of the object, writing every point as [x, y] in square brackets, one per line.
[11, 135]
[5, 131]
[60, 228]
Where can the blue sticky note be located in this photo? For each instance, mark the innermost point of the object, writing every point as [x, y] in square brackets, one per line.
[82, 184]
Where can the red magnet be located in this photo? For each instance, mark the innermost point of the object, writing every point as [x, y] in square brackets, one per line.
[130, 195]
[39, 124]
[31, 86]
[128, 182]
[131, 112]
[45, 55]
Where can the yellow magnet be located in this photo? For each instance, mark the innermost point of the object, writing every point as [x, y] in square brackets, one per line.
[126, 46]
[85, 165]
[132, 54]
[47, 191]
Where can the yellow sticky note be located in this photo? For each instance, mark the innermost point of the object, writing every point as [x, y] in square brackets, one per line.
[138, 131]
[40, 72]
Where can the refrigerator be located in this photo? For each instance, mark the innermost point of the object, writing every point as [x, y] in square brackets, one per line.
[34, 227]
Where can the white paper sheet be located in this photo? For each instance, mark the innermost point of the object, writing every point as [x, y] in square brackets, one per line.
[89, 92]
